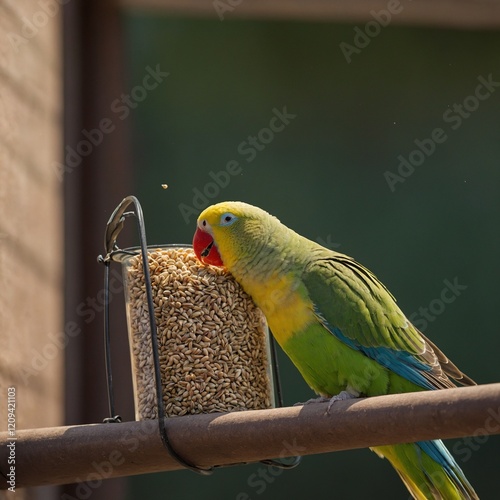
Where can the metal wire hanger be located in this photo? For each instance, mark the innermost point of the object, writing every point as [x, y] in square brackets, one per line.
[113, 228]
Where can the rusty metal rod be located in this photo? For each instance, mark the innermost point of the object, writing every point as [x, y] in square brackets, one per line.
[91, 453]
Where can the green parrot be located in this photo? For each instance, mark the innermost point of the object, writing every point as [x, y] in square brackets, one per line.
[339, 325]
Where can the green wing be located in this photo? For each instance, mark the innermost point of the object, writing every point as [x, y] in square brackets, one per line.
[359, 310]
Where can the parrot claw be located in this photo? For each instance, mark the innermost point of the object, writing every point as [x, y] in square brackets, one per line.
[341, 396]
[319, 399]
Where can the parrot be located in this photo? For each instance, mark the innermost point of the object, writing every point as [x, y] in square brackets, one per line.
[339, 325]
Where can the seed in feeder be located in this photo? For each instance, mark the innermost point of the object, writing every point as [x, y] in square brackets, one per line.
[209, 332]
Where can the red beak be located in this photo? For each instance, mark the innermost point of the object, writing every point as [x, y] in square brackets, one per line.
[205, 249]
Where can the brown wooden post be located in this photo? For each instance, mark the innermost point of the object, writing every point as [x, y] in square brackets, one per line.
[94, 78]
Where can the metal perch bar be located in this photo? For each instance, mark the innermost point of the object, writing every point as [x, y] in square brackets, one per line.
[94, 452]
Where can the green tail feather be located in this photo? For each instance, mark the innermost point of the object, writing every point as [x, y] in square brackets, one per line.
[432, 474]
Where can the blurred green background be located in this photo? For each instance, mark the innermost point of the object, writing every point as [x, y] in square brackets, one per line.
[323, 175]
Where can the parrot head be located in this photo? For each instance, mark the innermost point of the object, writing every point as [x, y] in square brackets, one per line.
[228, 230]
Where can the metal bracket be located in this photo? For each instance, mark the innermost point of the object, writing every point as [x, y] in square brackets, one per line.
[113, 228]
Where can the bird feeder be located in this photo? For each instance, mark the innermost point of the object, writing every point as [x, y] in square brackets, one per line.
[198, 343]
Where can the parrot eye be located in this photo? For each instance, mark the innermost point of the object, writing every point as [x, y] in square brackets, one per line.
[227, 219]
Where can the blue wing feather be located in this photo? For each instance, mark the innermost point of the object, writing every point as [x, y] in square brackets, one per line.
[403, 363]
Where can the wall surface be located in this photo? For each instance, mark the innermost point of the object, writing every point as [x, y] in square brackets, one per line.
[32, 352]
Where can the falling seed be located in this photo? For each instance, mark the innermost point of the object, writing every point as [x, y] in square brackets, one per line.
[164, 186]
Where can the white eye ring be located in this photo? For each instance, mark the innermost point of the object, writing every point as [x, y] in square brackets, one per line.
[227, 219]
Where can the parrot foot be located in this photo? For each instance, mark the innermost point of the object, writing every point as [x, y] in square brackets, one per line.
[319, 399]
[341, 396]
